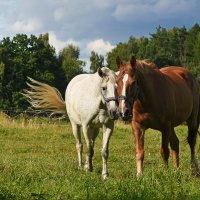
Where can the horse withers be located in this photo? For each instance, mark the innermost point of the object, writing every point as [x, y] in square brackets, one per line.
[160, 99]
[90, 102]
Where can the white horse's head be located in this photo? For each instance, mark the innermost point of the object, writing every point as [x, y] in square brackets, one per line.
[108, 91]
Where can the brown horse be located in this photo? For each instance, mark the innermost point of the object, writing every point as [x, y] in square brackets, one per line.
[160, 99]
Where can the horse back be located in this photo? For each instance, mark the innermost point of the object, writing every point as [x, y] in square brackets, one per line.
[182, 79]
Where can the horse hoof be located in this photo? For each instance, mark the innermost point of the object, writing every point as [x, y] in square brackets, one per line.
[196, 173]
[105, 176]
[139, 175]
[80, 167]
[87, 168]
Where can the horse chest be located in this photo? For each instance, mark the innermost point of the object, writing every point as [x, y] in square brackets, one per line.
[101, 117]
[148, 118]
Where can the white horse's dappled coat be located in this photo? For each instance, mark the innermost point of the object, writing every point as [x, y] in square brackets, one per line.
[90, 101]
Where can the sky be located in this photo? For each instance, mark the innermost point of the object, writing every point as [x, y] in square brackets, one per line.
[94, 25]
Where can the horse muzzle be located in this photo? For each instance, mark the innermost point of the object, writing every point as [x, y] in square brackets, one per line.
[127, 116]
[114, 114]
[125, 109]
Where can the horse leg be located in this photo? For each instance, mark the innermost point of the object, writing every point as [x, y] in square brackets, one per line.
[174, 143]
[94, 132]
[79, 145]
[164, 150]
[192, 136]
[139, 142]
[107, 132]
[193, 125]
[87, 131]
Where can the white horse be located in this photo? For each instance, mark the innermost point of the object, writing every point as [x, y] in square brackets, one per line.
[90, 102]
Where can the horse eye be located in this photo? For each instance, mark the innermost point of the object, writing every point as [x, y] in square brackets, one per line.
[104, 88]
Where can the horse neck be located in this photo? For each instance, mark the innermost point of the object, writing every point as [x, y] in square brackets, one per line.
[148, 81]
[97, 81]
[95, 84]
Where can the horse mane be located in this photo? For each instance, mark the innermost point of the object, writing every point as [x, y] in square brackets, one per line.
[145, 65]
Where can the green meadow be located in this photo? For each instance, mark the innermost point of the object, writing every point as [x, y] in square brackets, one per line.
[38, 161]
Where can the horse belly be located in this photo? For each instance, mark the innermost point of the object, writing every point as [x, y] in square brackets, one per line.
[73, 116]
[182, 115]
[81, 113]
[183, 106]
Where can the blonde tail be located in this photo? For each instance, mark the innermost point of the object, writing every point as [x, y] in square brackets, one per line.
[43, 96]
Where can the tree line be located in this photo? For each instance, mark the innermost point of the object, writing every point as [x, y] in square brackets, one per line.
[23, 56]
[176, 46]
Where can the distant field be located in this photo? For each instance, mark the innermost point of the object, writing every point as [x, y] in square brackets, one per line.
[38, 161]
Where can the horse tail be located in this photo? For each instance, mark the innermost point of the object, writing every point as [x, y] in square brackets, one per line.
[43, 96]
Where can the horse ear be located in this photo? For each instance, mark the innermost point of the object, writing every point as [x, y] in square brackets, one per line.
[133, 61]
[100, 72]
[118, 62]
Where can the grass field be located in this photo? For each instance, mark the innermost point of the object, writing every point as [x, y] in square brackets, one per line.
[38, 161]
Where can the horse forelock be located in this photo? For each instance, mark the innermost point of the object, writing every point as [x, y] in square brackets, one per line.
[125, 69]
[109, 75]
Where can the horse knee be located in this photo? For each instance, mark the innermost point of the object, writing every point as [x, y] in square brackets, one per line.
[174, 144]
[90, 152]
[192, 135]
[79, 147]
[140, 155]
[105, 153]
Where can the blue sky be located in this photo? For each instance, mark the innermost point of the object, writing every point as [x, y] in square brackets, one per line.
[94, 24]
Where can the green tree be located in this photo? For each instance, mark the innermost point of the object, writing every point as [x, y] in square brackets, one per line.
[24, 56]
[192, 50]
[165, 47]
[158, 49]
[70, 63]
[190, 42]
[2, 69]
[124, 50]
[196, 58]
[194, 64]
[96, 61]
[177, 38]
[142, 50]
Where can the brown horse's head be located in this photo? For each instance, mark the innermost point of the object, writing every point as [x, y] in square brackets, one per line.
[127, 89]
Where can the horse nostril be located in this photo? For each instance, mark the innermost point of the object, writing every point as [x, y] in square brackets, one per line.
[126, 112]
[112, 112]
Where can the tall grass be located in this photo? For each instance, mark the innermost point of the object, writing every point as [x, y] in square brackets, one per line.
[38, 161]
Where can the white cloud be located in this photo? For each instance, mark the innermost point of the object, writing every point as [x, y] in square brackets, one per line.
[59, 14]
[59, 44]
[100, 46]
[82, 22]
[27, 26]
